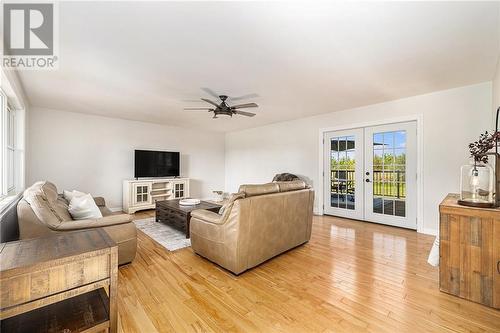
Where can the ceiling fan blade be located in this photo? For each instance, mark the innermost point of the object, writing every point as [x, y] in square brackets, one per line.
[211, 102]
[210, 92]
[191, 100]
[239, 98]
[197, 109]
[243, 113]
[247, 105]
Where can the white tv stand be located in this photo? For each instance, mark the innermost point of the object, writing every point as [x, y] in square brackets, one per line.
[140, 194]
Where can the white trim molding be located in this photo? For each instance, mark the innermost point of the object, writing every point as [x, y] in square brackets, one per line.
[418, 118]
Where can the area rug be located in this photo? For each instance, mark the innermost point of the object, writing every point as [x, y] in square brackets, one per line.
[168, 237]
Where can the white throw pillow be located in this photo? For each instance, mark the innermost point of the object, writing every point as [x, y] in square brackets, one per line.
[69, 195]
[84, 207]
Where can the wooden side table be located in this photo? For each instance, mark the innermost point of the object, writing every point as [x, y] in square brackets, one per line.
[65, 282]
[469, 252]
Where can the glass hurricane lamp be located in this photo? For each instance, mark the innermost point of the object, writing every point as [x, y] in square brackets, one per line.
[477, 185]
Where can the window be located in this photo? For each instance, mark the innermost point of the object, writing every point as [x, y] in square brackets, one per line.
[11, 150]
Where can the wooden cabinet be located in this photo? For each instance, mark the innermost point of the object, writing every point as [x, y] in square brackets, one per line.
[143, 194]
[496, 264]
[64, 282]
[469, 250]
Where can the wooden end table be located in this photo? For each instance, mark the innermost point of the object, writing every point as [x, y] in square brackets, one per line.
[178, 216]
[58, 283]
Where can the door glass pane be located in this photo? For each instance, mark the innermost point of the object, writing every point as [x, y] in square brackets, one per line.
[342, 172]
[389, 173]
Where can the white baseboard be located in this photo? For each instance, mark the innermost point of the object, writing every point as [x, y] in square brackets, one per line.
[116, 209]
[428, 231]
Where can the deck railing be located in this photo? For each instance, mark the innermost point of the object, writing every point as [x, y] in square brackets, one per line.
[387, 183]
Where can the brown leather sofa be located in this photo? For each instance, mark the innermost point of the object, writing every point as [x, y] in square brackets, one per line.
[42, 211]
[258, 223]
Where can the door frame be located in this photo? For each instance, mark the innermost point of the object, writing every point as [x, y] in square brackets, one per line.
[418, 118]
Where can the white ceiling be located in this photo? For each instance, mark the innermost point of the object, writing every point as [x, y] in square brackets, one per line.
[144, 60]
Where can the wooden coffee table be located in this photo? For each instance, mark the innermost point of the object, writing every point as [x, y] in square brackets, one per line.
[178, 216]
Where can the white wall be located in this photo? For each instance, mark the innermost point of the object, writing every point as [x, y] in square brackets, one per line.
[496, 91]
[95, 154]
[451, 119]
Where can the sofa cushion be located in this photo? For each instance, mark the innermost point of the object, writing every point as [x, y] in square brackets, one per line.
[291, 185]
[251, 190]
[43, 200]
[230, 201]
[44, 188]
[105, 211]
[99, 201]
[61, 207]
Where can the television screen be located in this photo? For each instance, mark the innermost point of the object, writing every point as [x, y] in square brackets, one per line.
[149, 163]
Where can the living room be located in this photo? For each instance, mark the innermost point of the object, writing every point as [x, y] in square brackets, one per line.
[250, 166]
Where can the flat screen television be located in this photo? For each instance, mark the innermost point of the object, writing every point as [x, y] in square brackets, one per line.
[150, 163]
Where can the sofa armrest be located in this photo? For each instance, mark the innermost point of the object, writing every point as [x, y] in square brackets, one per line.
[99, 201]
[207, 216]
[95, 223]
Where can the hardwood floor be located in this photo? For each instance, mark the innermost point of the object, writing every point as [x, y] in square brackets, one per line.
[351, 277]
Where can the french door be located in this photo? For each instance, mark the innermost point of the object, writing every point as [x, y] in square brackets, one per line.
[370, 174]
[344, 173]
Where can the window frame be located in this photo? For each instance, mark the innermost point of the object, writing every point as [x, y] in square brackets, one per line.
[3, 138]
[10, 148]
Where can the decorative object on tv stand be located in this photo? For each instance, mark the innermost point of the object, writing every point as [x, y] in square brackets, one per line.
[479, 183]
[218, 196]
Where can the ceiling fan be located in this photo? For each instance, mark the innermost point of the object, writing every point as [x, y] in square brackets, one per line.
[223, 108]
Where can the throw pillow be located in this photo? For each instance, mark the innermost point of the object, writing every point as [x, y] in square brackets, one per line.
[285, 177]
[84, 207]
[69, 195]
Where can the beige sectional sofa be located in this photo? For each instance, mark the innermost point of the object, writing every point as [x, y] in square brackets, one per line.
[42, 211]
[258, 223]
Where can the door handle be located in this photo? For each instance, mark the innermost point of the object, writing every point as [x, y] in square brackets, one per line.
[367, 180]
[498, 266]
